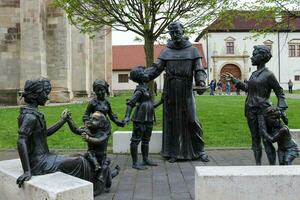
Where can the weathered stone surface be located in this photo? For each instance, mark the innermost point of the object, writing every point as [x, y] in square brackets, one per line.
[121, 142]
[9, 51]
[80, 93]
[36, 40]
[296, 135]
[247, 182]
[9, 97]
[60, 96]
[56, 186]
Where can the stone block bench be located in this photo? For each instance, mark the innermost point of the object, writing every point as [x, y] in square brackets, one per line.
[121, 142]
[247, 183]
[55, 186]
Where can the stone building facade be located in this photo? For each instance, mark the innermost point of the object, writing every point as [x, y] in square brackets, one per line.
[36, 41]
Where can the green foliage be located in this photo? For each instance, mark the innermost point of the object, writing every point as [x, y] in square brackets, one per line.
[147, 18]
[279, 14]
[265, 16]
[222, 118]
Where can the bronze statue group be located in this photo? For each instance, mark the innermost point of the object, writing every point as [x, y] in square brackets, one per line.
[182, 131]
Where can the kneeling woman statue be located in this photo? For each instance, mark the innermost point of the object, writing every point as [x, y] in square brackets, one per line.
[32, 142]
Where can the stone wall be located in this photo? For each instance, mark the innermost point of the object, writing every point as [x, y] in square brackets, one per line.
[58, 53]
[80, 63]
[9, 51]
[36, 40]
[33, 40]
[101, 62]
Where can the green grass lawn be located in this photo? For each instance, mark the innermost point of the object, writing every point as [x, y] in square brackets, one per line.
[222, 118]
[294, 91]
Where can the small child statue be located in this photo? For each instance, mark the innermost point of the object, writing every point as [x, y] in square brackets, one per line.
[101, 104]
[273, 130]
[143, 118]
[96, 133]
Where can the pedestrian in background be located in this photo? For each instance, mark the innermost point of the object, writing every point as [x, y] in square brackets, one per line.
[228, 88]
[290, 84]
[212, 86]
[219, 85]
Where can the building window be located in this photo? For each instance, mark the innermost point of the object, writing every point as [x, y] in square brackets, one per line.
[297, 77]
[292, 50]
[230, 47]
[294, 47]
[123, 78]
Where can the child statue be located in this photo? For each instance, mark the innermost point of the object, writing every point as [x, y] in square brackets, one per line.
[96, 133]
[143, 118]
[273, 130]
[100, 87]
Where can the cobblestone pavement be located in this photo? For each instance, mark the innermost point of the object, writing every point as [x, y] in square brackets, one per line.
[165, 182]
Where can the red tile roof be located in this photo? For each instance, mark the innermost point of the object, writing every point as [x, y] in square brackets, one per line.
[126, 57]
[245, 21]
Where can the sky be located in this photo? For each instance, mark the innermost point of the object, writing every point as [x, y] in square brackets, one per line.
[125, 38]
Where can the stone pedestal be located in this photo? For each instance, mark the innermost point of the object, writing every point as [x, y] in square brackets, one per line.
[60, 96]
[247, 183]
[80, 94]
[55, 186]
[9, 97]
[121, 142]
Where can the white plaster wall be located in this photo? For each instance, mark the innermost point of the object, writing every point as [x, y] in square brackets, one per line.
[121, 86]
[289, 66]
[131, 85]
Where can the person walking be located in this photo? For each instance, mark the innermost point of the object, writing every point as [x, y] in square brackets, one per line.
[212, 86]
[219, 85]
[290, 84]
[228, 88]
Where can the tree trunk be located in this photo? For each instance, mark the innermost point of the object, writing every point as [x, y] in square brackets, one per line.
[149, 52]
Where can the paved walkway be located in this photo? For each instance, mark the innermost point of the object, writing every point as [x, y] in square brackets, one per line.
[167, 181]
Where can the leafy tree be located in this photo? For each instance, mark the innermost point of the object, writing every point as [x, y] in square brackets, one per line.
[282, 14]
[147, 18]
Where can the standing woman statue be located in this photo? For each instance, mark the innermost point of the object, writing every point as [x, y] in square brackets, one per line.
[33, 133]
[258, 89]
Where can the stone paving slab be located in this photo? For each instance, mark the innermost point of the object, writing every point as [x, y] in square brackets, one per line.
[165, 182]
